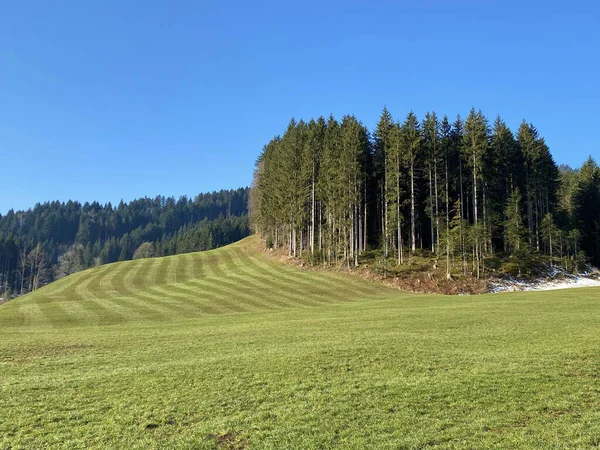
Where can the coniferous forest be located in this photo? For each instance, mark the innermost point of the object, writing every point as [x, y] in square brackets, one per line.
[55, 239]
[472, 193]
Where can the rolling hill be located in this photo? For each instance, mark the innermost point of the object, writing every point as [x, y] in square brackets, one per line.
[233, 279]
[232, 349]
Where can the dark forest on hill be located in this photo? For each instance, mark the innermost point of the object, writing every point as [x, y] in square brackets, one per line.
[474, 194]
[55, 239]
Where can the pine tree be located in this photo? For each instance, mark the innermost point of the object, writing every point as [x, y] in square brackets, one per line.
[549, 234]
[586, 209]
[515, 230]
[313, 151]
[503, 167]
[475, 142]
[446, 143]
[411, 149]
[431, 144]
[384, 172]
[541, 178]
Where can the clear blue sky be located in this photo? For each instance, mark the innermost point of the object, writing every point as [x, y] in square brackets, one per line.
[113, 100]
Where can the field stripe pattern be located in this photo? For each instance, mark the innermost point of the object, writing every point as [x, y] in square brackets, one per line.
[233, 279]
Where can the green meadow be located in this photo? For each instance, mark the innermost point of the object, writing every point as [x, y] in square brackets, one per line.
[231, 349]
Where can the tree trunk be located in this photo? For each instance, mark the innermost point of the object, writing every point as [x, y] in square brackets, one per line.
[360, 230]
[400, 256]
[386, 241]
[437, 211]
[356, 223]
[447, 221]
[431, 209]
[462, 216]
[551, 262]
[365, 243]
[413, 242]
[398, 207]
[312, 213]
[23, 263]
[320, 227]
[475, 216]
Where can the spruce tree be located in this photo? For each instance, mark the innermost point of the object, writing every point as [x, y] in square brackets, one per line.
[475, 143]
[411, 150]
[431, 142]
[384, 172]
[586, 209]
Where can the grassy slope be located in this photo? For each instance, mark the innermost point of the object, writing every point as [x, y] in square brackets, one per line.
[227, 349]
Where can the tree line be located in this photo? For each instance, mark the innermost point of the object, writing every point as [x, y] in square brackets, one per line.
[55, 239]
[472, 193]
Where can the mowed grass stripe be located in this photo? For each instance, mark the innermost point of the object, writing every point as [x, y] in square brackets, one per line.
[77, 312]
[128, 279]
[29, 314]
[152, 274]
[215, 298]
[138, 293]
[68, 283]
[337, 283]
[190, 267]
[239, 277]
[171, 272]
[55, 289]
[291, 282]
[296, 276]
[139, 279]
[193, 300]
[117, 298]
[249, 272]
[86, 291]
[313, 284]
[106, 287]
[161, 271]
[204, 302]
[143, 286]
[212, 263]
[128, 297]
[166, 297]
[232, 293]
[174, 297]
[91, 288]
[230, 266]
[257, 291]
[54, 313]
[73, 286]
[227, 288]
[199, 260]
[160, 304]
[222, 290]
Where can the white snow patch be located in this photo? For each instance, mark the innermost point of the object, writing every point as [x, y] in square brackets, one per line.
[550, 283]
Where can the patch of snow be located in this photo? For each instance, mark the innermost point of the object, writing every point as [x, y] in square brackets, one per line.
[549, 283]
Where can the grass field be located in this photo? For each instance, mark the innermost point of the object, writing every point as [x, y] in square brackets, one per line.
[230, 349]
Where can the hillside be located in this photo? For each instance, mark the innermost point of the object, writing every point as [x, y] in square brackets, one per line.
[54, 239]
[233, 279]
[230, 349]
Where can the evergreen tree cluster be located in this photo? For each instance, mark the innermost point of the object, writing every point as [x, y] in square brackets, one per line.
[55, 239]
[473, 193]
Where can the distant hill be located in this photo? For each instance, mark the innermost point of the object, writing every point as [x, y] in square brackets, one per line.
[55, 239]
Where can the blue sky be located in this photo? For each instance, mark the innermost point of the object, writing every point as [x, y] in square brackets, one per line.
[116, 100]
